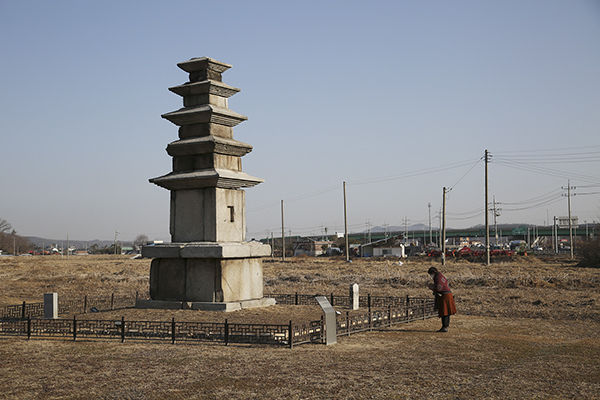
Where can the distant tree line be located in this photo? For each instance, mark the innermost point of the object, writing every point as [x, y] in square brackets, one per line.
[96, 249]
[11, 242]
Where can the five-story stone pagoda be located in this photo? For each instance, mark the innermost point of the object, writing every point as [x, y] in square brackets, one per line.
[208, 265]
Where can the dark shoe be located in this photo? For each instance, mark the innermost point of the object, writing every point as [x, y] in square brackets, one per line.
[443, 329]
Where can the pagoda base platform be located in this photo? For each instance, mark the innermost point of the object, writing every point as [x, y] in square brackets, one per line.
[211, 275]
[205, 306]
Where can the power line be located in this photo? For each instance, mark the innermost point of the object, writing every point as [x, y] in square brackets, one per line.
[466, 173]
[547, 150]
[550, 172]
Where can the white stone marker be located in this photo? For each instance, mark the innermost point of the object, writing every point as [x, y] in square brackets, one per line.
[354, 296]
[330, 320]
[51, 305]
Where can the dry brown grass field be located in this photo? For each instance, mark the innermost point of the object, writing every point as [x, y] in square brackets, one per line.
[525, 329]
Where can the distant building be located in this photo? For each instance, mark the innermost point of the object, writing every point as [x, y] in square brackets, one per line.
[311, 247]
[390, 247]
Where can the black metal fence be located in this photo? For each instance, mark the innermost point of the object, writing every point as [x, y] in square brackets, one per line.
[166, 331]
[82, 305]
[22, 320]
[345, 301]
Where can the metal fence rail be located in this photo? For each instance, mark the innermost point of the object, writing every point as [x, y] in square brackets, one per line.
[23, 320]
[338, 300]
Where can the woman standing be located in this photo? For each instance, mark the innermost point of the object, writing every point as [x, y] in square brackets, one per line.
[444, 301]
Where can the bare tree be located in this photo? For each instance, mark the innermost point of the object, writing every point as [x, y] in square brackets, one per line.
[5, 226]
[140, 240]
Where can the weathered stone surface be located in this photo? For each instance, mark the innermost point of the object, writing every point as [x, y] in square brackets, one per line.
[202, 63]
[204, 113]
[51, 305]
[214, 177]
[208, 144]
[206, 279]
[206, 161]
[211, 214]
[354, 296]
[208, 265]
[205, 129]
[207, 250]
[330, 320]
[205, 87]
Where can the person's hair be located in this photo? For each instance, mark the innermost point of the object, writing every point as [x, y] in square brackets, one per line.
[432, 270]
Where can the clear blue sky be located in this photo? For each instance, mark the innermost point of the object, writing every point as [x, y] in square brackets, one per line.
[334, 91]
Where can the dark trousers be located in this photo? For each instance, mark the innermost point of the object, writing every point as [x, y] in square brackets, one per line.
[446, 321]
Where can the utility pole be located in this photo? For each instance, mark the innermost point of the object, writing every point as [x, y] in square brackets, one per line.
[440, 231]
[569, 187]
[496, 214]
[346, 225]
[487, 222]
[272, 246]
[430, 233]
[553, 235]
[570, 222]
[115, 244]
[557, 241]
[443, 221]
[282, 235]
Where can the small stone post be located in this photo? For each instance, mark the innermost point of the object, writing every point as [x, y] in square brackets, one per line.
[354, 299]
[51, 305]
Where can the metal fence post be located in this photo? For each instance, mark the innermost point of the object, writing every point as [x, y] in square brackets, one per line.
[173, 330]
[332, 300]
[407, 300]
[74, 327]
[226, 332]
[296, 303]
[369, 302]
[85, 304]
[136, 296]
[389, 315]
[28, 328]
[112, 301]
[122, 329]
[23, 311]
[291, 335]
[348, 322]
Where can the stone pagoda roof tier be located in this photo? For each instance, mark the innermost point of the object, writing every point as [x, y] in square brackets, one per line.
[208, 144]
[204, 113]
[203, 63]
[205, 87]
[212, 177]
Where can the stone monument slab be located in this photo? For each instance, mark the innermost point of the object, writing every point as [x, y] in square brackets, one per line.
[354, 296]
[330, 320]
[51, 305]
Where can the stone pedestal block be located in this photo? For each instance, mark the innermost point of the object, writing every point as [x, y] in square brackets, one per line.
[210, 214]
[206, 279]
